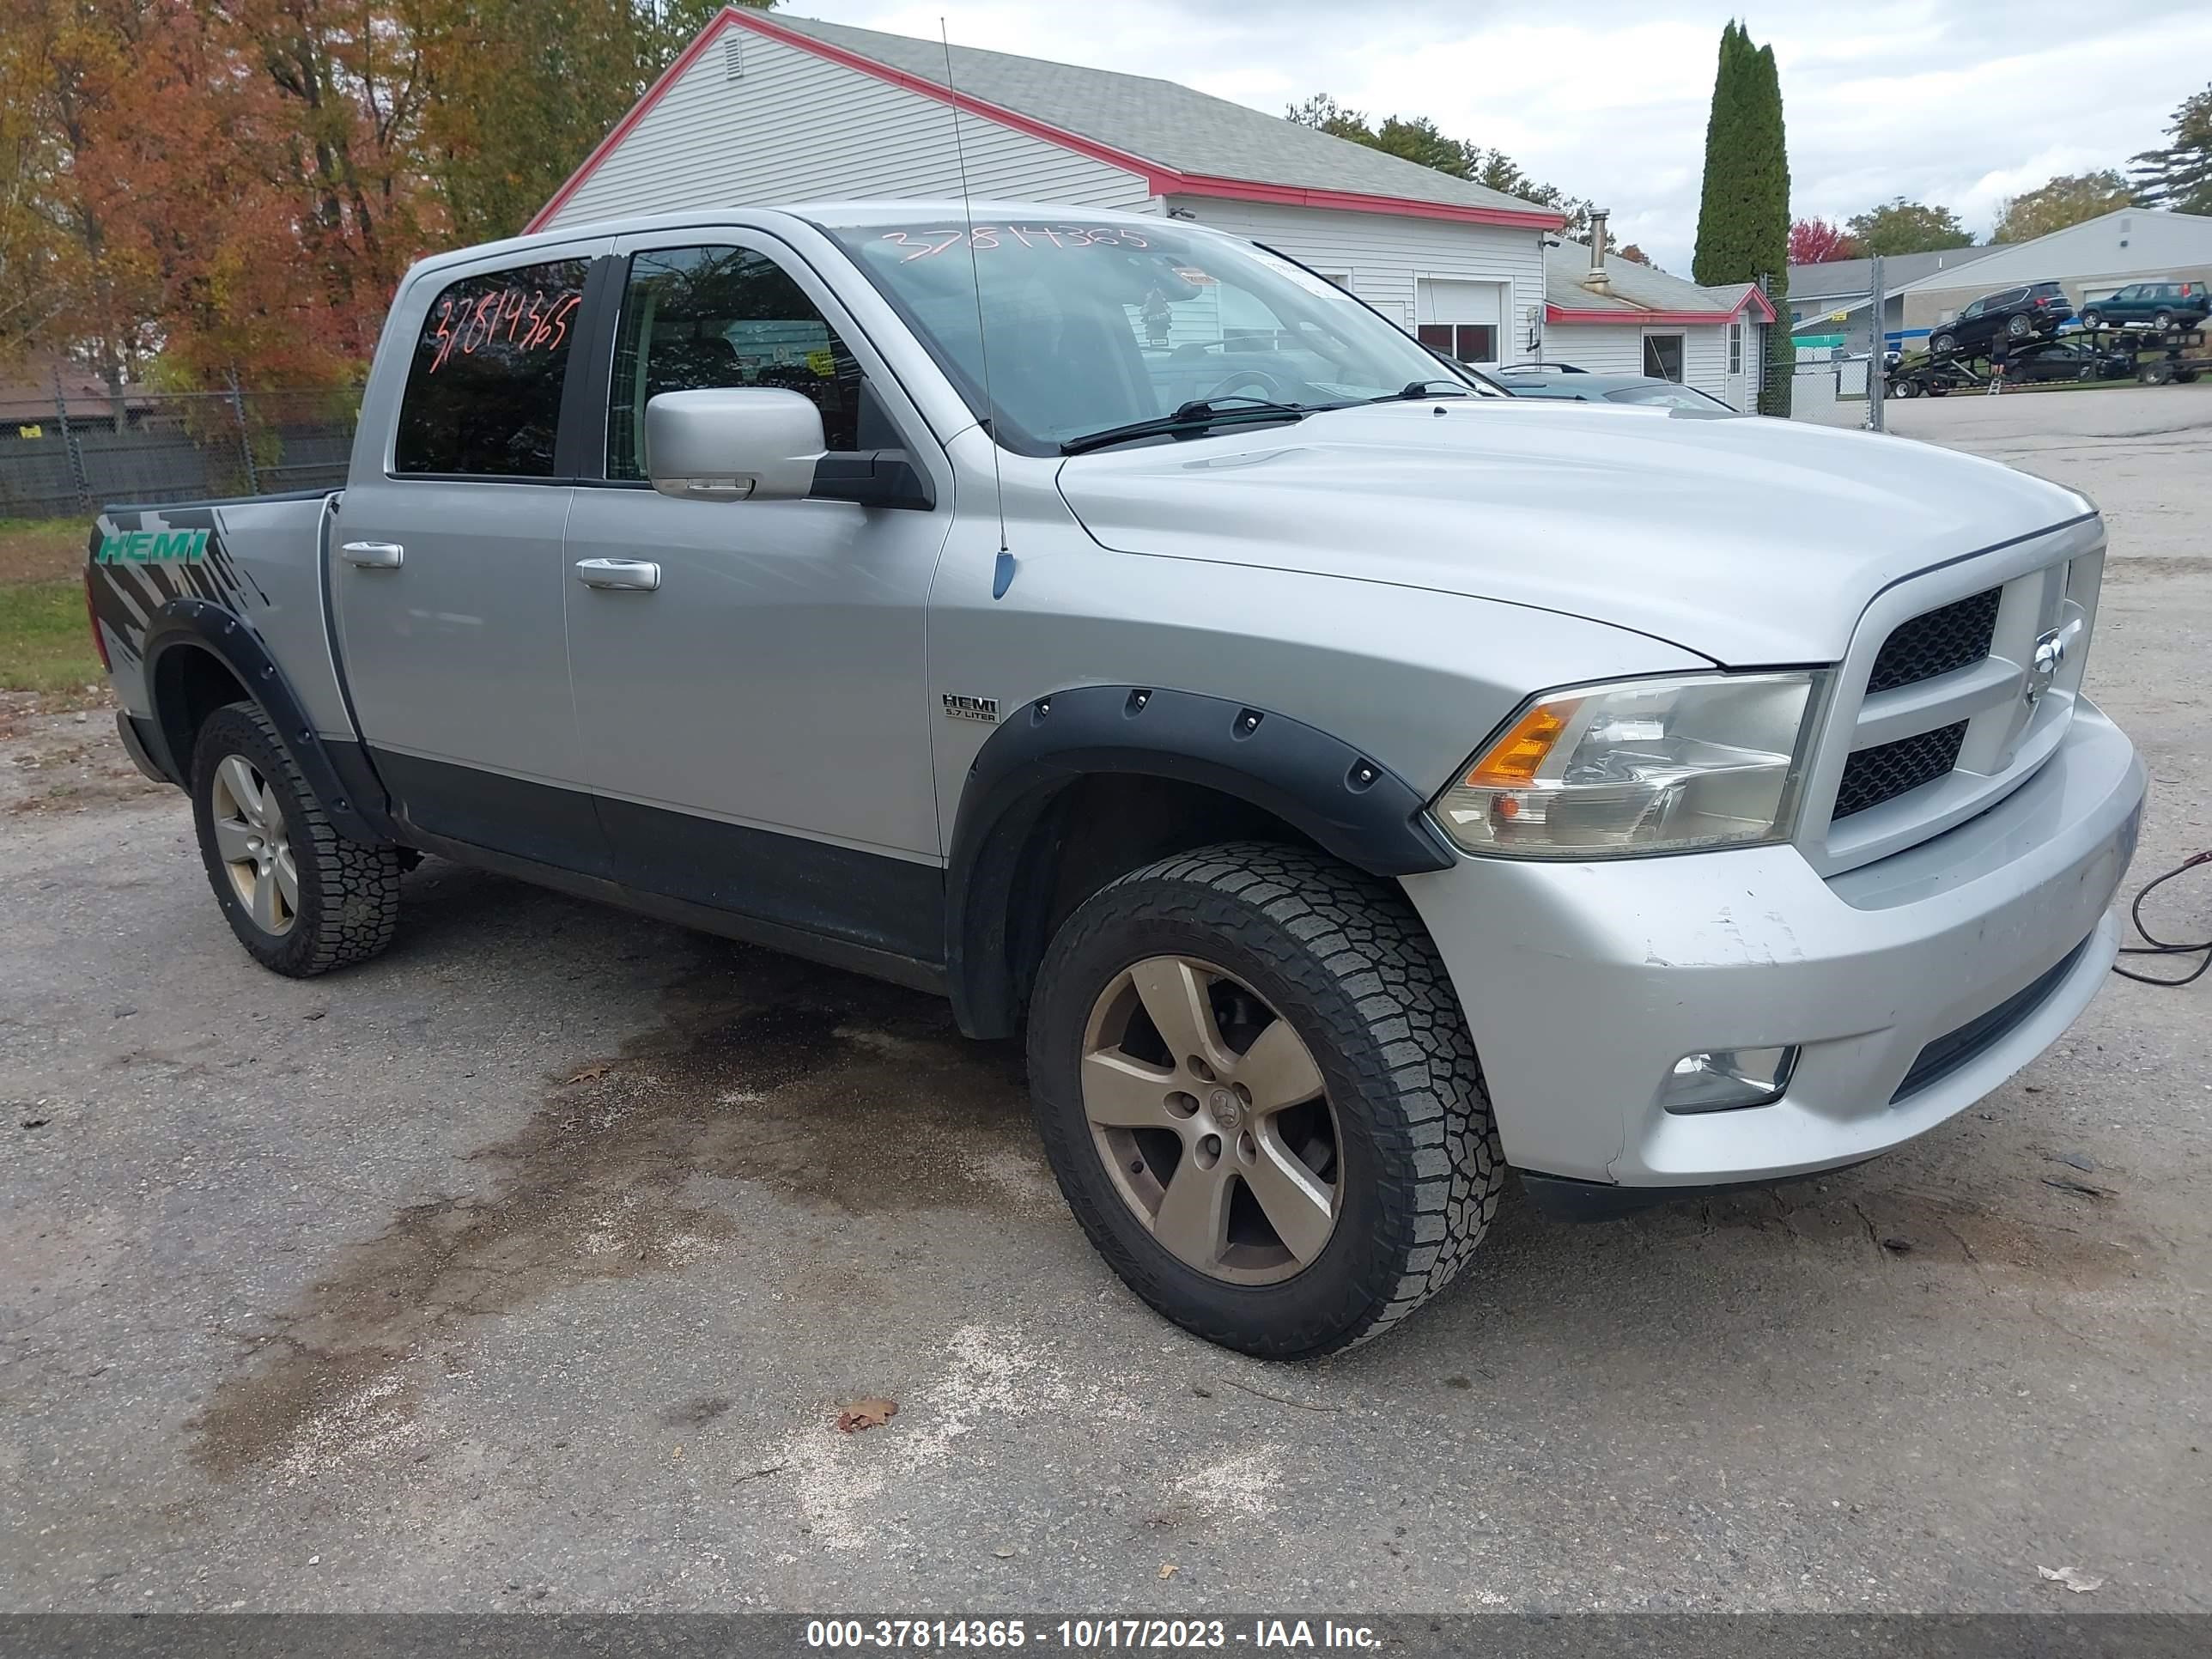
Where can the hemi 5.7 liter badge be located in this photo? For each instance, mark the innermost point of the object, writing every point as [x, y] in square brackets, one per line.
[982, 710]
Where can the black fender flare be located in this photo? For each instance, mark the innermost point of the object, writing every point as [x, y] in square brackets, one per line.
[340, 775]
[1347, 802]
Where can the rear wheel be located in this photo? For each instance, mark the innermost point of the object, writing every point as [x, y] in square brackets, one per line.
[300, 898]
[1906, 389]
[2155, 374]
[2019, 327]
[1256, 1087]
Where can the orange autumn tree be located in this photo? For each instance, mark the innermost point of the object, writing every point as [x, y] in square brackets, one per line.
[233, 182]
[230, 186]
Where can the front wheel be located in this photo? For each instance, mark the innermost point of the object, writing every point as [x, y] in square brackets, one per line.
[1906, 389]
[2092, 319]
[1943, 342]
[2163, 322]
[300, 898]
[1255, 1085]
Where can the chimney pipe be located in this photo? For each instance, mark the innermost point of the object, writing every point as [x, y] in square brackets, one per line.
[1597, 281]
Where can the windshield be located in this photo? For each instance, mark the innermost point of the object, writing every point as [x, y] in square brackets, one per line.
[1093, 326]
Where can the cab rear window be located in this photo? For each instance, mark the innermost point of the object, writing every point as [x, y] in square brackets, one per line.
[484, 393]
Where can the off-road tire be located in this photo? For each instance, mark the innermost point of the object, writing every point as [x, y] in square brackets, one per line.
[1344, 959]
[348, 905]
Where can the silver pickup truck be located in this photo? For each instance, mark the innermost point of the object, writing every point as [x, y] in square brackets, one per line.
[1354, 781]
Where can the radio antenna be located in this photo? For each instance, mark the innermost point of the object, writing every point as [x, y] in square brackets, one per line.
[982, 338]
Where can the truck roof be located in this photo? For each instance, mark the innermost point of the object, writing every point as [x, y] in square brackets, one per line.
[878, 211]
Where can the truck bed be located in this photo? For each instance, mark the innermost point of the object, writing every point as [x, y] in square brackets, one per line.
[152, 569]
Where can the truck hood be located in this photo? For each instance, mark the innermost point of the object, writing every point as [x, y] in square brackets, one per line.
[1748, 541]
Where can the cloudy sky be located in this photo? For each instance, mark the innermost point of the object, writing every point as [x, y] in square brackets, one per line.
[1960, 102]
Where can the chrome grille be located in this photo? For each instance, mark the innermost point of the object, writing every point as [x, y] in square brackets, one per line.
[1949, 637]
[1890, 769]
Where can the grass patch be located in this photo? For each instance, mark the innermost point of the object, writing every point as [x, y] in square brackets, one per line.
[45, 643]
[42, 550]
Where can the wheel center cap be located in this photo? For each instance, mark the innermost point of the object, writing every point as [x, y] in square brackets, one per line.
[1227, 1110]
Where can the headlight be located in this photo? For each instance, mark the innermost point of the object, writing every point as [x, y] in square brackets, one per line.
[1639, 766]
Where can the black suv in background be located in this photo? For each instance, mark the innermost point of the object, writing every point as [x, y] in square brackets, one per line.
[2018, 313]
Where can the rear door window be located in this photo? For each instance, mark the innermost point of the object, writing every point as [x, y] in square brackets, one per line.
[484, 393]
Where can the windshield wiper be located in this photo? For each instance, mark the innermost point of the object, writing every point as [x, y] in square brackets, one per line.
[1195, 416]
[1414, 390]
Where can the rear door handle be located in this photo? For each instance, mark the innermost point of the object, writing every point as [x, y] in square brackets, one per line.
[626, 576]
[375, 555]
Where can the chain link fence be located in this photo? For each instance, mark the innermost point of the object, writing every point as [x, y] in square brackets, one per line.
[77, 455]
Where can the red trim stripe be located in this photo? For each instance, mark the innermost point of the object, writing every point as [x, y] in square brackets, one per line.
[1158, 180]
[1347, 201]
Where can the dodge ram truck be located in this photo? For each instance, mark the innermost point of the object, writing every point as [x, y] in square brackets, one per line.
[1354, 783]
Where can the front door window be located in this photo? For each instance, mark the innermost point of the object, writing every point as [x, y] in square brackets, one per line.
[700, 317]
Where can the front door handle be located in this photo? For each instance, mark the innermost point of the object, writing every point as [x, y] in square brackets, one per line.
[625, 575]
[375, 555]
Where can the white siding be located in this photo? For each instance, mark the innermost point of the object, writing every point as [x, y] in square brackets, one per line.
[794, 126]
[1385, 254]
[1601, 347]
[1611, 348]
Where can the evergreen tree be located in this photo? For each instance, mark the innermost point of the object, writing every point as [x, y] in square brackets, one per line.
[2179, 178]
[1743, 215]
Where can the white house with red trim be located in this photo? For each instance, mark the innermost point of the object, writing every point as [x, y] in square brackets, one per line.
[1615, 317]
[762, 109]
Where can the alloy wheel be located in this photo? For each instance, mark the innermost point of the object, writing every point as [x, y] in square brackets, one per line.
[1213, 1120]
[255, 848]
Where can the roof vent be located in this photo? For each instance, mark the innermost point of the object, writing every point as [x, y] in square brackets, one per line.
[1597, 281]
[733, 55]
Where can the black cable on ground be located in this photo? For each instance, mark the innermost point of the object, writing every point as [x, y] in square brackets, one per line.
[2157, 946]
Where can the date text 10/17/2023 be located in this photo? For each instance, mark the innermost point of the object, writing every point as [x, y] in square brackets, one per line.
[1092, 1635]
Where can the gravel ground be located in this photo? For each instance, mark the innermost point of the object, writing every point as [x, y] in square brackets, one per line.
[530, 1265]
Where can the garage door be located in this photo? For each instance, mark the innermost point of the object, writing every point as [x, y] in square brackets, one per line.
[1461, 320]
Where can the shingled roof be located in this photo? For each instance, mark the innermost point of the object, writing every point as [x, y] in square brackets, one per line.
[1635, 292]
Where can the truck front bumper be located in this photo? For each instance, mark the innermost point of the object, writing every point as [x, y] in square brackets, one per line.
[1912, 986]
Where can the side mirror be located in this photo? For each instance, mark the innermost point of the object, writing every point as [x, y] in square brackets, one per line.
[733, 444]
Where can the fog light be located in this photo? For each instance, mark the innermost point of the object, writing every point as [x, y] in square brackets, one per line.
[1725, 1080]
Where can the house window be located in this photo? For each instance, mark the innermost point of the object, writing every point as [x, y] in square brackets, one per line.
[1470, 342]
[1736, 348]
[1663, 356]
